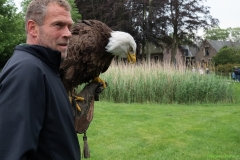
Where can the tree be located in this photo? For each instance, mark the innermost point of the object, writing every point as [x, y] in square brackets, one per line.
[234, 34]
[76, 16]
[11, 29]
[217, 34]
[227, 55]
[185, 17]
[229, 34]
[149, 23]
[112, 12]
[24, 5]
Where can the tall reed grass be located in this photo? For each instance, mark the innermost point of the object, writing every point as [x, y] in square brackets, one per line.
[163, 83]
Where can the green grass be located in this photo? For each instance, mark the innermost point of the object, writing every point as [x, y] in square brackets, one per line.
[236, 87]
[165, 132]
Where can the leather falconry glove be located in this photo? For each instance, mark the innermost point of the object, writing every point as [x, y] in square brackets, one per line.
[82, 118]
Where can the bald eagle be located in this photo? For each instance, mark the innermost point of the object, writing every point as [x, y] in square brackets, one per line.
[91, 49]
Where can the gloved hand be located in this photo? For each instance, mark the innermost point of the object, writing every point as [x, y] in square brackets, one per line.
[92, 88]
[90, 93]
[98, 90]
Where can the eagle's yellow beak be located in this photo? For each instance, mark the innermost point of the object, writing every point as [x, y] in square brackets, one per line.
[131, 57]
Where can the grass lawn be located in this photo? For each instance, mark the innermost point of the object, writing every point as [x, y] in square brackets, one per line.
[165, 132]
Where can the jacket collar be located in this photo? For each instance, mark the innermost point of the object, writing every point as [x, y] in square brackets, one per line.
[51, 57]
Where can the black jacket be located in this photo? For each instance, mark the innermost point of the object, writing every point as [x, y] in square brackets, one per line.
[36, 119]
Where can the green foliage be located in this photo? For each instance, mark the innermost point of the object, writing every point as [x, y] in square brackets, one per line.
[227, 55]
[163, 84]
[234, 34]
[225, 68]
[229, 34]
[217, 34]
[11, 29]
[75, 13]
[24, 5]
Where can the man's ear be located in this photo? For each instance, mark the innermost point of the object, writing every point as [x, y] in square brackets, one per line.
[32, 28]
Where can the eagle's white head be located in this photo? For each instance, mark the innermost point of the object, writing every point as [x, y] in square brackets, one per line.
[122, 44]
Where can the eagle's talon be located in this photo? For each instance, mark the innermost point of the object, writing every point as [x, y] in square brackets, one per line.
[78, 107]
[99, 80]
[76, 98]
[79, 98]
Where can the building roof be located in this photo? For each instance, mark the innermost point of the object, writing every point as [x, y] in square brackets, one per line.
[192, 50]
[217, 45]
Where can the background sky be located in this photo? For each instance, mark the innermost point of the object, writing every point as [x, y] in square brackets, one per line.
[226, 11]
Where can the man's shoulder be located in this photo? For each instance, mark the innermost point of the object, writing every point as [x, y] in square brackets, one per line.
[23, 64]
[25, 61]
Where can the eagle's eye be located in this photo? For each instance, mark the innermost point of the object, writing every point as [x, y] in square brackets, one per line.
[131, 49]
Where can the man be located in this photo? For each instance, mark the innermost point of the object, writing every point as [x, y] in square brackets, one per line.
[238, 71]
[36, 118]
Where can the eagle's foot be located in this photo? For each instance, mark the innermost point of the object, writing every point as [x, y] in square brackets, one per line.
[99, 80]
[78, 107]
[77, 98]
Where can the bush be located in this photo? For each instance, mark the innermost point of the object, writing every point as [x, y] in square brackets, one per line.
[227, 55]
[225, 69]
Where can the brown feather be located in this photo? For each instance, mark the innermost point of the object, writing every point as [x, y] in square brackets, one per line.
[87, 57]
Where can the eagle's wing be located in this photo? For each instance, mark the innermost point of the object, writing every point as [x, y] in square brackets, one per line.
[87, 56]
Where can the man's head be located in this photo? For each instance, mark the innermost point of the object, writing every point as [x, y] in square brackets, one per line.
[48, 23]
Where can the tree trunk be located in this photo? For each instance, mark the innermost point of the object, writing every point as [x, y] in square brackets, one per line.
[148, 54]
[174, 48]
[174, 9]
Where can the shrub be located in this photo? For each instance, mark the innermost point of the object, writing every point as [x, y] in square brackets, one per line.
[227, 55]
[225, 69]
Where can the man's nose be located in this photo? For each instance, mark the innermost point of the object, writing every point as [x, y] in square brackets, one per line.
[67, 32]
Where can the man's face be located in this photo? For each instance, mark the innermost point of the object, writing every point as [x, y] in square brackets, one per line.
[55, 32]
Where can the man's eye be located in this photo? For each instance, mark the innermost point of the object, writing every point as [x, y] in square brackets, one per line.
[58, 24]
[70, 27]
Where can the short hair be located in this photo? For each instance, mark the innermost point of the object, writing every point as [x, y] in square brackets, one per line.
[37, 10]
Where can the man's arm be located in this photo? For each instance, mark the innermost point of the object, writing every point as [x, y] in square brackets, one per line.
[21, 110]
